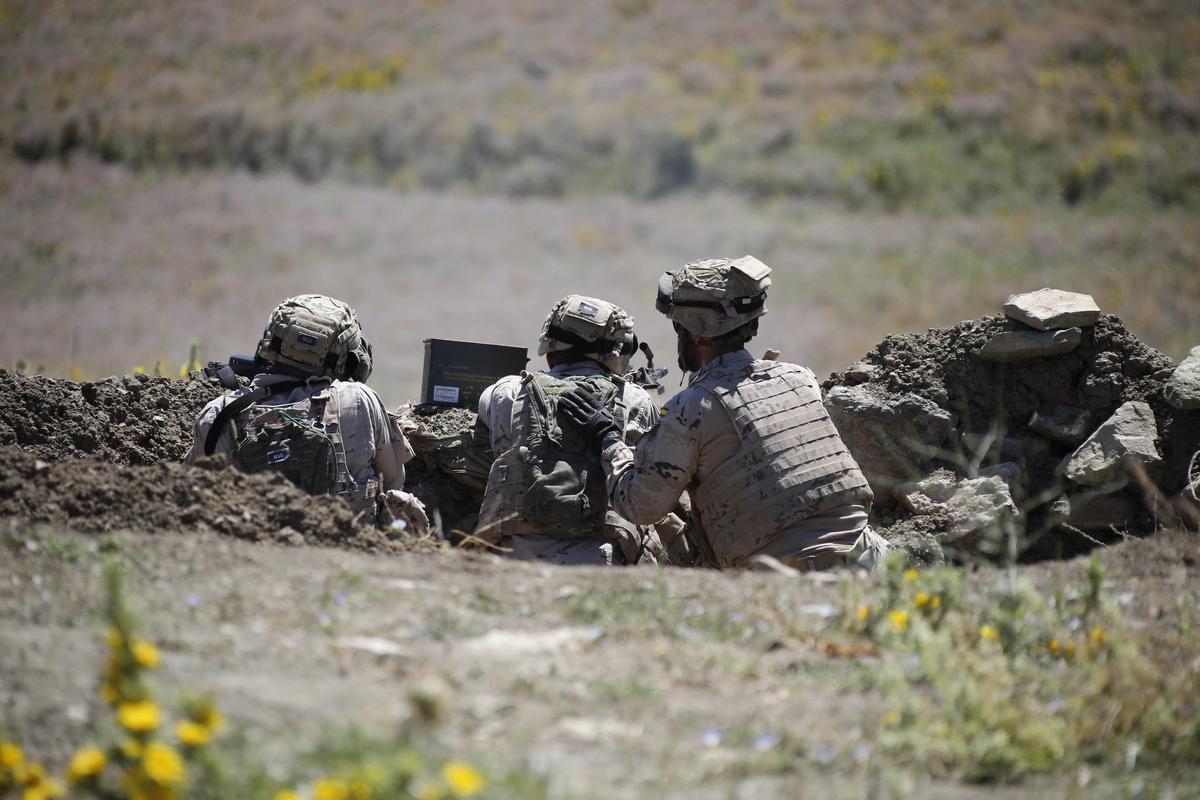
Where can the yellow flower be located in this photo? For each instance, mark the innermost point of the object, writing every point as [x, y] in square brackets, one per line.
[330, 789]
[108, 693]
[1099, 637]
[935, 601]
[131, 748]
[162, 764]
[42, 790]
[86, 763]
[30, 772]
[862, 613]
[921, 600]
[287, 794]
[210, 718]
[462, 778]
[146, 654]
[1069, 650]
[193, 734]
[899, 620]
[359, 789]
[115, 639]
[988, 633]
[911, 575]
[140, 716]
[1053, 646]
[11, 756]
[891, 718]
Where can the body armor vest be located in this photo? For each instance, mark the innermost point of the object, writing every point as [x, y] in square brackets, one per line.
[550, 481]
[791, 464]
[291, 438]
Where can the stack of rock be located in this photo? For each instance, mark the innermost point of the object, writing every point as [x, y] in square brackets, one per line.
[1050, 420]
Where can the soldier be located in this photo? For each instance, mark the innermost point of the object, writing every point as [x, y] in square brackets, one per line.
[309, 414]
[749, 440]
[546, 498]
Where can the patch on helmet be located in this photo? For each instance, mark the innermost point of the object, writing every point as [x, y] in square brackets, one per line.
[587, 310]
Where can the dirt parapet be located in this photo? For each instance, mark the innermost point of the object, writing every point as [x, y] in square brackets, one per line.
[131, 420]
[450, 471]
[987, 406]
[94, 496]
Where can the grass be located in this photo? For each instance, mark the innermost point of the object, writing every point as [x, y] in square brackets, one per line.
[870, 108]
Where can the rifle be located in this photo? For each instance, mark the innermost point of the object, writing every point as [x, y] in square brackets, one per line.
[647, 377]
[236, 372]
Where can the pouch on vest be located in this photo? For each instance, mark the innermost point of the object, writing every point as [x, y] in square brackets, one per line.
[280, 440]
[566, 494]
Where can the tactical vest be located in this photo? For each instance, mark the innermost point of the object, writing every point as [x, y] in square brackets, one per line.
[303, 442]
[791, 464]
[551, 481]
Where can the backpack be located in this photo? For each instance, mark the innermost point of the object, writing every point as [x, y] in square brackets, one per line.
[552, 479]
[286, 440]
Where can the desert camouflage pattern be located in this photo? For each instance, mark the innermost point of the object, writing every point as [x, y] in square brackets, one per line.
[752, 444]
[312, 333]
[714, 280]
[590, 319]
[500, 406]
[375, 449]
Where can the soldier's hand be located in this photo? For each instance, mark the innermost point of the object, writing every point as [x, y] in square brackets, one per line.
[583, 409]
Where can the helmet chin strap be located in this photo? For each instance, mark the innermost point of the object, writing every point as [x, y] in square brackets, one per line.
[685, 350]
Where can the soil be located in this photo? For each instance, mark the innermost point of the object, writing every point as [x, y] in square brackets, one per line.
[450, 470]
[131, 420]
[1109, 367]
[94, 496]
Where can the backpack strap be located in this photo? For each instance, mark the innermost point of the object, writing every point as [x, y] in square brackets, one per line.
[236, 406]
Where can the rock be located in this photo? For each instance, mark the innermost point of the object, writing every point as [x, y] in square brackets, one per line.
[1127, 436]
[1183, 387]
[860, 372]
[978, 504]
[890, 435]
[1010, 448]
[1013, 477]
[1061, 423]
[1099, 512]
[1052, 309]
[1022, 345]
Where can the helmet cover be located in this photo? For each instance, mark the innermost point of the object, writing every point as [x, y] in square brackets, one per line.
[714, 296]
[598, 329]
[316, 335]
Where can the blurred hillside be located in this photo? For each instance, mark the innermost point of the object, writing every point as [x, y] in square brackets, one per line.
[932, 106]
[170, 171]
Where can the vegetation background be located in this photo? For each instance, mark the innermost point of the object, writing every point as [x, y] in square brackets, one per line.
[172, 170]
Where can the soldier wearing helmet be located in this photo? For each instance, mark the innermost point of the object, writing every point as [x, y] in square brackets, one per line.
[309, 414]
[539, 503]
[749, 440]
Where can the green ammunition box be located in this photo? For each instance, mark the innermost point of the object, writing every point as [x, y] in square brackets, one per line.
[456, 373]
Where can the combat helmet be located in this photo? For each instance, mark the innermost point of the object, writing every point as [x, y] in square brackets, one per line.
[313, 334]
[715, 296]
[591, 327]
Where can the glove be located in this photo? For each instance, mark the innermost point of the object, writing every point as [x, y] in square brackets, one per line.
[583, 409]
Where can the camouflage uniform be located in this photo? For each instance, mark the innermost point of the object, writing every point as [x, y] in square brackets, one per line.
[749, 440]
[314, 349]
[500, 402]
[376, 450]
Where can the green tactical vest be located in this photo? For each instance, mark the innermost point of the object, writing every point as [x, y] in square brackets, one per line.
[293, 440]
[551, 481]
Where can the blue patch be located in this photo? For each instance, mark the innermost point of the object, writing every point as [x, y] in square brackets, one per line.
[304, 338]
[278, 456]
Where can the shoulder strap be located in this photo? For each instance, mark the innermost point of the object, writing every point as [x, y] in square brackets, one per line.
[237, 406]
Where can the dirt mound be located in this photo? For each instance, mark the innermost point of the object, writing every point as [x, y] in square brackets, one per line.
[94, 496]
[451, 467]
[130, 420]
[987, 412]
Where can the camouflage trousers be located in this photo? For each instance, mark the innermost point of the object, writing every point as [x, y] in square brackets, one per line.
[867, 553]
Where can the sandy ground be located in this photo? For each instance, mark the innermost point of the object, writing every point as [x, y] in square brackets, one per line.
[607, 681]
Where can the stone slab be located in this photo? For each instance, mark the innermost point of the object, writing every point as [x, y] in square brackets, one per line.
[1182, 390]
[1024, 345]
[1127, 436]
[978, 504]
[1053, 309]
[1061, 423]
